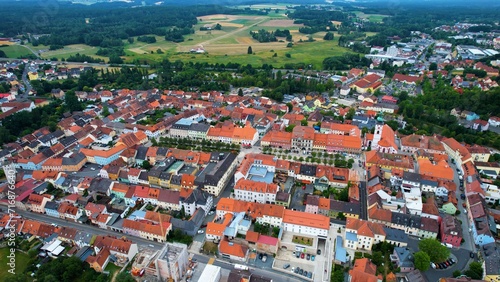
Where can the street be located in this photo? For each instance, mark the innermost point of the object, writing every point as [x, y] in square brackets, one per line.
[84, 227]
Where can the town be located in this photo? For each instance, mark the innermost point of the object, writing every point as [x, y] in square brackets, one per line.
[361, 181]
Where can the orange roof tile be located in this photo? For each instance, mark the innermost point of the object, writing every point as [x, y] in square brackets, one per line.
[306, 219]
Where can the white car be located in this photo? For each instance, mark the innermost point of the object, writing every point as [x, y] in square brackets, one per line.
[201, 231]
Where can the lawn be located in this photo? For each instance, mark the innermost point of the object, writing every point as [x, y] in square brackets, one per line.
[15, 51]
[73, 49]
[112, 268]
[21, 263]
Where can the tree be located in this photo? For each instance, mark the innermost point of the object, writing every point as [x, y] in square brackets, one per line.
[105, 111]
[249, 50]
[146, 165]
[436, 251]
[457, 273]
[240, 92]
[328, 36]
[72, 101]
[475, 270]
[124, 277]
[433, 66]
[422, 261]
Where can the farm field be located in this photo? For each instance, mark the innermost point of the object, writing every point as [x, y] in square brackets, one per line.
[15, 51]
[230, 44]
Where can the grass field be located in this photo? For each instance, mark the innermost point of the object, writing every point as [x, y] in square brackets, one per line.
[15, 51]
[21, 263]
[222, 46]
[375, 18]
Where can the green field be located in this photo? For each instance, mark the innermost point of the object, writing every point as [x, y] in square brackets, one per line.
[222, 46]
[15, 51]
[374, 18]
[21, 263]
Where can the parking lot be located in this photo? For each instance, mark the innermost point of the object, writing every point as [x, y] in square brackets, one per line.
[297, 264]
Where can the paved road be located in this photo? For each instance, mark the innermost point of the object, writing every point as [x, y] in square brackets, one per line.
[462, 255]
[26, 82]
[84, 227]
[363, 200]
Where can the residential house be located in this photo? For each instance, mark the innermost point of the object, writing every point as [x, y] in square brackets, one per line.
[403, 259]
[363, 271]
[362, 235]
[451, 231]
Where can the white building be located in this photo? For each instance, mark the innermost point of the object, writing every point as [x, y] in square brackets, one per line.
[306, 224]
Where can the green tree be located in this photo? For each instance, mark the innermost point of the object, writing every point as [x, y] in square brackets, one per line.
[328, 36]
[124, 277]
[249, 50]
[146, 165]
[240, 92]
[457, 273]
[422, 261]
[433, 248]
[433, 66]
[72, 102]
[475, 270]
[105, 111]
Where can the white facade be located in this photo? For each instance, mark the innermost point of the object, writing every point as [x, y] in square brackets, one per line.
[305, 230]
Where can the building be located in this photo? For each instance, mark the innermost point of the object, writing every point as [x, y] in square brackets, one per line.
[233, 251]
[451, 231]
[306, 223]
[253, 191]
[403, 258]
[172, 262]
[384, 139]
[362, 235]
[363, 271]
[457, 151]
[211, 273]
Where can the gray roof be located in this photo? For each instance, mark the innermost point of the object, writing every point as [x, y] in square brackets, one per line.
[407, 220]
[200, 127]
[100, 185]
[141, 153]
[344, 207]
[74, 159]
[491, 259]
[309, 170]
[191, 226]
[411, 176]
[396, 235]
[213, 177]
[52, 206]
[405, 257]
[68, 141]
[198, 196]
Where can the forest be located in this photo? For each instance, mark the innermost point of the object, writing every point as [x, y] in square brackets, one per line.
[102, 25]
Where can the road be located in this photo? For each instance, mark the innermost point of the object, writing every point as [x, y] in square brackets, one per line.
[26, 82]
[363, 201]
[84, 227]
[81, 64]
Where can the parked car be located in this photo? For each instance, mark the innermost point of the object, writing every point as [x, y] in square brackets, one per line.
[453, 260]
[310, 274]
[433, 265]
[297, 270]
[305, 273]
[264, 258]
[203, 226]
[297, 255]
[313, 257]
[318, 252]
[308, 256]
[200, 231]
[211, 212]
[302, 255]
[471, 254]
[286, 266]
[301, 271]
[260, 256]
